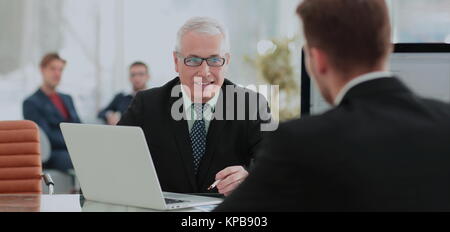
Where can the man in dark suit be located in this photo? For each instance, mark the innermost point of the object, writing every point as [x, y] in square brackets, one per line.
[48, 108]
[186, 124]
[139, 76]
[382, 148]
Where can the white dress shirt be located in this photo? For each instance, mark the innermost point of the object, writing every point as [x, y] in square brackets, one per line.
[190, 112]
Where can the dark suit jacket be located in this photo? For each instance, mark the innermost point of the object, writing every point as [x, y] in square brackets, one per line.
[382, 149]
[120, 104]
[229, 143]
[40, 109]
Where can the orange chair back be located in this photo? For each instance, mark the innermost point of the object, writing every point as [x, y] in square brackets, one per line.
[20, 160]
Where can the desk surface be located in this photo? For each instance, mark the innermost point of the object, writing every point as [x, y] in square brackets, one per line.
[70, 203]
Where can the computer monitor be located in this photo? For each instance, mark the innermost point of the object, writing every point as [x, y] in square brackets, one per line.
[423, 67]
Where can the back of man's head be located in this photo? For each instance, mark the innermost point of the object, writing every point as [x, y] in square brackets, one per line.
[353, 33]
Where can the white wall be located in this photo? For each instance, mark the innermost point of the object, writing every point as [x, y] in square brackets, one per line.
[100, 38]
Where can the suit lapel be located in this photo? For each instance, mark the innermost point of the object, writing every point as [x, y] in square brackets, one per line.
[215, 131]
[182, 138]
[50, 106]
[68, 107]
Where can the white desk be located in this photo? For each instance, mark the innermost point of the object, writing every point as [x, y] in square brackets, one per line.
[91, 206]
[71, 203]
[39, 203]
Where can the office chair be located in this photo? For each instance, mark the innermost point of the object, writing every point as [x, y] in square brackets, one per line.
[67, 182]
[20, 159]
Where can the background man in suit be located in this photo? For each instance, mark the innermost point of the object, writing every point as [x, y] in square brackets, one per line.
[139, 76]
[192, 152]
[48, 108]
[381, 148]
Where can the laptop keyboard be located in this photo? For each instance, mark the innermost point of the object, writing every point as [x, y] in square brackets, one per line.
[173, 201]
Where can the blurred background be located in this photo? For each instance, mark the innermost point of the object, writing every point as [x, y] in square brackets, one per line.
[101, 38]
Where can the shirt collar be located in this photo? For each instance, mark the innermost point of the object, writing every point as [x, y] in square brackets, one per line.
[358, 80]
[187, 100]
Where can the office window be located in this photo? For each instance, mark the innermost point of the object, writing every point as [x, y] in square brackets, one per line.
[415, 21]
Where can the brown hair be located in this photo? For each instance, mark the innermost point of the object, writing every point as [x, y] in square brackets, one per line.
[354, 33]
[47, 59]
[139, 63]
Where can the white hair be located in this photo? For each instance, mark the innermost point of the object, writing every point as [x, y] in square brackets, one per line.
[204, 25]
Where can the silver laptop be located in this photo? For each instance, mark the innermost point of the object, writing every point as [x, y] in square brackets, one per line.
[113, 165]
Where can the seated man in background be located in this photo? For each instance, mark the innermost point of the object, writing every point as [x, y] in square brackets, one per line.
[48, 108]
[382, 148]
[139, 76]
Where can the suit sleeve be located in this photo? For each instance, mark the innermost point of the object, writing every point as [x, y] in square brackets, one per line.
[265, 187]
[32, 112]
[111, 107]
[135, 114]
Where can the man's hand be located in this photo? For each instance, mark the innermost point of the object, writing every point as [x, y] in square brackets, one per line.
[112, 118]
[231, 178]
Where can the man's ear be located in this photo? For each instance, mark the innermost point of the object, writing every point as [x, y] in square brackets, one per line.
[228, 57]
[320, 60]
[175, 60]
[391, 48]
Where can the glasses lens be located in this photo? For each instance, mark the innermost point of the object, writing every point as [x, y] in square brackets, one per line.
[140, 74]
[193, 61]
[216, 61]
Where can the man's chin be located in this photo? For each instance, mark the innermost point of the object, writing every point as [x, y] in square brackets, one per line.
[211, 90]
[52, 86]
[205, 95]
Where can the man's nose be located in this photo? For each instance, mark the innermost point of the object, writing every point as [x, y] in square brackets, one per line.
[204, 69]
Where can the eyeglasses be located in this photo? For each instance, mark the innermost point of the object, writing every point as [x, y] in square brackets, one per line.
[138, 74]
[193, 61]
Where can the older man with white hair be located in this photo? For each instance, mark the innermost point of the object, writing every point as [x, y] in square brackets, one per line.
[208, 148]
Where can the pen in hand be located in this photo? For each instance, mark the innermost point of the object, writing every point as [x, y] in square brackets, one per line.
[214, 184]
